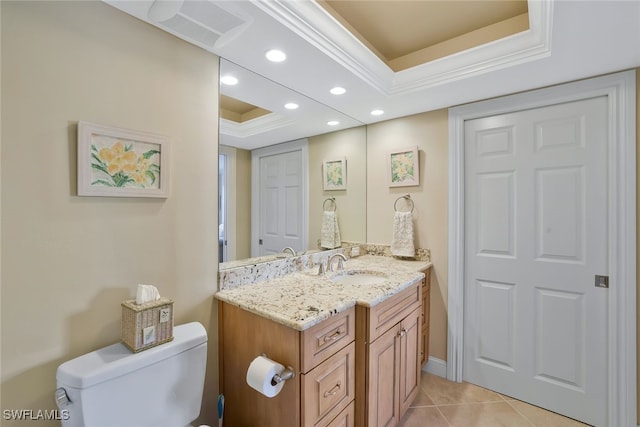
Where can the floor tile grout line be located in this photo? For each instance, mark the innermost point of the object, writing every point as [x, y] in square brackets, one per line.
[503, 399]
[521, 414]
[444, 417]
[492, 402]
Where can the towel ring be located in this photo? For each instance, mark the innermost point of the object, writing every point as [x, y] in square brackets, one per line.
[406, 197]
[330, 199]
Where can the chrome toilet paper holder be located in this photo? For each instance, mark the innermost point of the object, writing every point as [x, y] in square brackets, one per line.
[285, 375]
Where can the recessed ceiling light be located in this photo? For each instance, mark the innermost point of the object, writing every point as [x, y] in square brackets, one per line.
[228, 80]
[275, 55]
[377, 112]
[333, 123]
[338, 90]
[291, 106]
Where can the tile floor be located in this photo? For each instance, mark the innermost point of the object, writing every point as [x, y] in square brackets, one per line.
[443, 403]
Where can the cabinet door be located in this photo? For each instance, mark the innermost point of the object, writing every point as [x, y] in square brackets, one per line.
[410, 337]
[384, 374]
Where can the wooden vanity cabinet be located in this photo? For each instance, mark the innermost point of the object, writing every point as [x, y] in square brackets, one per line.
[426, 304]
[388, 356]
[322, 392]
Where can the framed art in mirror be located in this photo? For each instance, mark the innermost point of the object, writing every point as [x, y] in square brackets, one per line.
[334, 173]
[117, 162]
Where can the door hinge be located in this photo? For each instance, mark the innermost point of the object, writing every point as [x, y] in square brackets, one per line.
[602, 281]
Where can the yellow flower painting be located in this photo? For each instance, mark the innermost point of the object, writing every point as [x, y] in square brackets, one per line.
[118, 162]
[124, 163]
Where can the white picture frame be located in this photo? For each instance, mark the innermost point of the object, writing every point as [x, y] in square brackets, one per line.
[116, 162]
[403, 167]
[334, 174]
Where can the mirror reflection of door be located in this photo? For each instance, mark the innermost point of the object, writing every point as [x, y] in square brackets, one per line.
[279, 217]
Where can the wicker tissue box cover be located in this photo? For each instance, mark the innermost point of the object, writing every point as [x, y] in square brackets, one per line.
[146, 325]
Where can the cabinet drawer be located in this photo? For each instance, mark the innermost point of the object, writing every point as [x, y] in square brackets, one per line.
[328, 388]
[346, 418]
[321, 341]
[386, 314]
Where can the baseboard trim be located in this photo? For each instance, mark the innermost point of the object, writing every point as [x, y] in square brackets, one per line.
[437, 367]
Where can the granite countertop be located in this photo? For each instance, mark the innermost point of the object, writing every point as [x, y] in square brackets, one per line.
[302, 299]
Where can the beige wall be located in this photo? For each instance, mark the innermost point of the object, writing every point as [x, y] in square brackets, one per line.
[352, 144]
[428, 131]
[238, 221]
[68, 261]
[243, 204]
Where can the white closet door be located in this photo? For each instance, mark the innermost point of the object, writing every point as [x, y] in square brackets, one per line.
[537, 239]
[279, 202]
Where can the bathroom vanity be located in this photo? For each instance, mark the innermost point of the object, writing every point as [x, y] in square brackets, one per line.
[389, 346]
[356, 347]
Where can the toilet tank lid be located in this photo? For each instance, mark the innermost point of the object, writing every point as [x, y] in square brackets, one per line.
[116, 360]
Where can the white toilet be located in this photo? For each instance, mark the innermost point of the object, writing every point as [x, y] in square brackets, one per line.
[158, 387]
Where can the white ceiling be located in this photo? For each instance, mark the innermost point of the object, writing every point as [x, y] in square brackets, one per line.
[567, 40]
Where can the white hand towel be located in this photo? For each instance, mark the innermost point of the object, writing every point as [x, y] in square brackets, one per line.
[402, 241]
[330, 233]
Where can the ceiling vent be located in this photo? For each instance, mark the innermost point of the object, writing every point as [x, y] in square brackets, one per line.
[204, 23]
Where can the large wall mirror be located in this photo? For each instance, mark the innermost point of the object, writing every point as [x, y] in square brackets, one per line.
[278, 170]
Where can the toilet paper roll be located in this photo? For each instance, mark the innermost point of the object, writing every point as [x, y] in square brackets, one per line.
[260, 373]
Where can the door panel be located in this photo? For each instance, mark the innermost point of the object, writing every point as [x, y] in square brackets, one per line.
[496, 215]
[560, 232]
[536, 235]
[281, 202]
[560, 345]
[496, 324]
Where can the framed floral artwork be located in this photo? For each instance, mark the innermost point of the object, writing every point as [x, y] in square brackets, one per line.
[403, 167]
[121, 163]
[334, 173]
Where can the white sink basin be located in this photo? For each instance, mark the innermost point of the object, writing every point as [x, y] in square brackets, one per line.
[359, 277]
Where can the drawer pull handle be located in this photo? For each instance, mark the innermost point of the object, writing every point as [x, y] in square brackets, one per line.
[333, 391]
[402, 332]
[337, 334]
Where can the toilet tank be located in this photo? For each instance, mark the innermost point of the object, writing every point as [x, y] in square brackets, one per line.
[158, 387]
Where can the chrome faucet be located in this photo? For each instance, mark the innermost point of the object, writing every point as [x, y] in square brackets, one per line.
[290, 249]
[321, 268]
[341, 260]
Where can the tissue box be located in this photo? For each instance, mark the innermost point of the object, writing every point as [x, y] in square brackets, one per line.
[147, 325]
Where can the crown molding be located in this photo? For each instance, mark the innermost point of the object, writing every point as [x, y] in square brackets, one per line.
[318, 27]
[253, 127]
[315, 25]
[513, 50]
